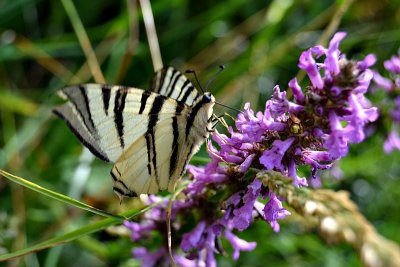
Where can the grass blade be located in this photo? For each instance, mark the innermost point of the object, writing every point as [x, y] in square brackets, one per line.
[81, 232]
[58, 196]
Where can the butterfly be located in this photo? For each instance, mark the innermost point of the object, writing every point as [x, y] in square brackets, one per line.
[150, 136]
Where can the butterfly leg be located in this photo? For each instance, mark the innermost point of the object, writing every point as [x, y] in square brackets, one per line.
[214, 121]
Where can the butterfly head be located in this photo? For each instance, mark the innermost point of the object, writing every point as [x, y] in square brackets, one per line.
[208, 98]
[207, 103]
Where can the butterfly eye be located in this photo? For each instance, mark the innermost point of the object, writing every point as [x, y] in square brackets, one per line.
[207, 98]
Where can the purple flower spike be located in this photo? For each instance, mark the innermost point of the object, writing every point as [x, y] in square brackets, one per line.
[312, 128]
[392, 87]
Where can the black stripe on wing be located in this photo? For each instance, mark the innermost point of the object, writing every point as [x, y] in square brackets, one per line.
[123, 191]
[172, 83]
[97, 152]
[175, 142]
[188, 157]
[170, 79]
[193, 113]
[79, 99]
[150, 140]
[106, 94]
[143, 101]
[87, 108]
[119, 106]
[188, 92]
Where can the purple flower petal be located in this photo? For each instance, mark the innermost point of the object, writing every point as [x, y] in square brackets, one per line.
[139, 230]
[336, 141]
[274, 211]
[332, 55]
[272, 158]
[297, 181]
[359, 118]
[149, 259]
[383, 82]
[235, 199]
[238, 244]
[318, 50]
[395, 112]
[392, 142]
[193, 239]
[296, 90]
[243, 216]
[307, 63]
[367, 62]
[246, 163]
[185, 262]
[393, 65]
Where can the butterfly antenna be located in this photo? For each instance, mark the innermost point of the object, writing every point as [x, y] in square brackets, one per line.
[221, 69]
[235, 109]
[195, 76]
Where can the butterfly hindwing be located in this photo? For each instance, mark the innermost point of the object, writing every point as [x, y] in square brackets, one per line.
[145, 167]
[172, 83]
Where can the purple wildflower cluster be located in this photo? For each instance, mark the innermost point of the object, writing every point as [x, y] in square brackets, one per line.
[315, 129]
[392, 87]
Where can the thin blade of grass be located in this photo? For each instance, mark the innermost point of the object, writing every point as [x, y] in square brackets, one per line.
[151, 34]
[132, 39]
[84, 40]
[71, 236]
[58, 196]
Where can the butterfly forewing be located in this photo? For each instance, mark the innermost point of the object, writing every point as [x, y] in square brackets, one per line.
[111, 120]
[150, 136]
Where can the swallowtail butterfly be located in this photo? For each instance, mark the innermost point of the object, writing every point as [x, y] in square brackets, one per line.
[149, 136]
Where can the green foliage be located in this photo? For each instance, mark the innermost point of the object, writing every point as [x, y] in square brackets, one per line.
[258, 41]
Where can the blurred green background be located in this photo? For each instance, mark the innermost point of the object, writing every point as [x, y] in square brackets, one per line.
[259, 42]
